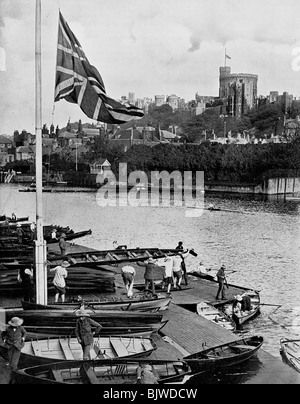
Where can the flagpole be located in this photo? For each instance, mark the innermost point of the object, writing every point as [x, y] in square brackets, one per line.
[40, 245]
[225, 56]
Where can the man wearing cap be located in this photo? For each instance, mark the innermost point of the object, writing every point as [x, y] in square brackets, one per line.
[20, 233]
[59, 280]
[14, 339]
[62, 244]
[150, 273]
[222, 282]
[85, 333]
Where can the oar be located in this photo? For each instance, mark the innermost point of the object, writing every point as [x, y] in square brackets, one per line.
[271, 305]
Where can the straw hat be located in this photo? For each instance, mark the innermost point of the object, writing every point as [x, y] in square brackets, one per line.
[63, 235]
[238, 298]
[18, 225]
[82, 313]
[65, 264]
[16, 322]
[151, 260]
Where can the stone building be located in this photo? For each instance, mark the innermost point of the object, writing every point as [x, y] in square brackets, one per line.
[238, 90]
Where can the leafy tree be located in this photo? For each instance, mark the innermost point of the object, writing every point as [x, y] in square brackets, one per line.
[267, 118]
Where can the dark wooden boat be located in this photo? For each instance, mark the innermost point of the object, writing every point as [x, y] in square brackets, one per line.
[139, 302]
[95, 259]
[290, 351]
[225, 355]
[79, 280]
[11, 220]
[70, 236]
[51, 350]
[63, 322]
[106, 372]
[211, 313]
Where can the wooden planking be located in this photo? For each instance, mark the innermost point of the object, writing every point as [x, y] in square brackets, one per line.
[66, 349]
[36, 349]
[119, 347]
[190, 331]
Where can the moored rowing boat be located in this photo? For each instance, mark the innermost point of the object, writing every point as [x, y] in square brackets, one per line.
[225, 355]
[51, 350]
[290, 351]
[118, 371]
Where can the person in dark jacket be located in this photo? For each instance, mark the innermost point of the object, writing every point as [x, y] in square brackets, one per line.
[25, 278]
[85, 333]
[14, 340]
[222, 282]
[62, 244]
[20, 233]
[150, 273]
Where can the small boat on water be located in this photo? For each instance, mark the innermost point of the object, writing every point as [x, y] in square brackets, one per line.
[51, 350]
[106, 372]
[57, 323]
[215, 315]
[241, 317]
[225, 355]
[139, 302]
[290, 351]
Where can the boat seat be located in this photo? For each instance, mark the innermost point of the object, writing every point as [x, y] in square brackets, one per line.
[91, 375]
[119, 347]
[57, 375]
[66, 349]
[90, 259]
[115, 257]
[241, 347]
[98, 352]
[73, 260]
[36, 349]
[94, 257]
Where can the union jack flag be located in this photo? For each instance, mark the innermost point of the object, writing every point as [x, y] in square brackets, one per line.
[77, 81]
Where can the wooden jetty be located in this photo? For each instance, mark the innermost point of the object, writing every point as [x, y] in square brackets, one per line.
[186, 332]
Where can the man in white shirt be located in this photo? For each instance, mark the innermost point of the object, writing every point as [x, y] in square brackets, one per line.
[59, 281]
[168, 276]
[128, 274]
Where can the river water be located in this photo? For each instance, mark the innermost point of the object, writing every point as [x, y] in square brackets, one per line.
[259, 239]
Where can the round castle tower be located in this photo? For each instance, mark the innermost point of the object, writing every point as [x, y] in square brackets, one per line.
[239, 89]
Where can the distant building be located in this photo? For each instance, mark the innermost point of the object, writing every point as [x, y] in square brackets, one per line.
[99, 166]
[5, 143]
[24, 153]
[160, 100]
[239, 90]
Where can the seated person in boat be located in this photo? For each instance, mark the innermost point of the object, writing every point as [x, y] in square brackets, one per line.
[146, 374]
[242, 305]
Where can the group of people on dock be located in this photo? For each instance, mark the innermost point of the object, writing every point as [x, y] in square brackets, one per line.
[173, 268]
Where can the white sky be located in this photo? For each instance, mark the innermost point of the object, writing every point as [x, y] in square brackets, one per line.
[147, 47]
